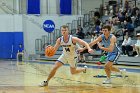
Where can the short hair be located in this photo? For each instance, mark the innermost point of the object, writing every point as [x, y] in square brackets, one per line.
[64, 26]
[107, 27]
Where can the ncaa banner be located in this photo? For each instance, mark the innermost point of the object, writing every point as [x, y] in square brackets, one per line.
[66, 7]
[49, 26]
[33, 7]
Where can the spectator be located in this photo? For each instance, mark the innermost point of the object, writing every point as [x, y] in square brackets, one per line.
[128, 18]
[97, 14]
[137, 45]
[97, 29]
[20, 48]
[93, 37]
[97, 23]
[134, 11]
[137, 18]
[121, 16]
[81, 56]
[128, 28]
[126, 46]
[80, 33]
[115, 20]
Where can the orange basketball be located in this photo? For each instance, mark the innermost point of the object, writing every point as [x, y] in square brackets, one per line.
[50, 51]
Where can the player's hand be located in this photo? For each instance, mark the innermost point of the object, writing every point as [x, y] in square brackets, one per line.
[47, 46]
[90, 50]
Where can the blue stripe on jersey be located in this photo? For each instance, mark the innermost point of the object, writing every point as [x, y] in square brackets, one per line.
[113, 56]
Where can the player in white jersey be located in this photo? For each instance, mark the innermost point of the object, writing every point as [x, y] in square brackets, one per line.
[68, 42]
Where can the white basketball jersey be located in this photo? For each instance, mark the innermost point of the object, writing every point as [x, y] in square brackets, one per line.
[69, 49]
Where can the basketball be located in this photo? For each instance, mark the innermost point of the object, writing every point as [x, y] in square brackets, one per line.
[49, 51]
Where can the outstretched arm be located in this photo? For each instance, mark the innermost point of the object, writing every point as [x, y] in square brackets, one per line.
[92, 43]
[82, 42]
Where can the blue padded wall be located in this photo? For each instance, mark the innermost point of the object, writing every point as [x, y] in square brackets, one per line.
[9, 44]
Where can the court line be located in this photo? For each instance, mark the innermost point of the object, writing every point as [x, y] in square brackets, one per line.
[128, 80]
[136, 70]
[58, 78]
[42, 74]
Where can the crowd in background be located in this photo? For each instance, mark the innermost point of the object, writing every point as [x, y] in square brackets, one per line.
[124, 23]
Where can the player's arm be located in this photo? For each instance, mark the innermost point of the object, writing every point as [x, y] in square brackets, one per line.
[92, 43]
[111, 47]
[57, 44]
[82, 42]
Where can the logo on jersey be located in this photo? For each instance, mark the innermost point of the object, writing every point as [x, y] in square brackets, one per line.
[67, 49]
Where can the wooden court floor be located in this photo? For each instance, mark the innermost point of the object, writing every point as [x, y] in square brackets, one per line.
[15, 78]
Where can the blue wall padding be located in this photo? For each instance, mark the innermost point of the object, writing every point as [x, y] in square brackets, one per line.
[9, 44]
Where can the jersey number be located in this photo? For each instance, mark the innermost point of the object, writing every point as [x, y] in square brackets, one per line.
[67, 49]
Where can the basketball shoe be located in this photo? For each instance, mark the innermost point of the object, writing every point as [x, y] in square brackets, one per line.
[85, 67]
[123, 73]
[108, 81]
[43, 84]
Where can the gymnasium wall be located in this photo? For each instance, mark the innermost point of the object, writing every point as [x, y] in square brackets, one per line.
[90, 5]
[27, 28]
[51, 6]
[15, 29]
[11, 35]
[32, 27]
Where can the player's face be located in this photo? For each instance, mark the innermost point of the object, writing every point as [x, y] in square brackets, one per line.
[139, 37]
[64, 31]
[105, 31]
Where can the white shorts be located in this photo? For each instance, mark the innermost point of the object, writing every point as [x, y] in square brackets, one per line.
[70, 60]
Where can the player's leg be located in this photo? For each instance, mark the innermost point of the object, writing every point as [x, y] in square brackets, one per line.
[57, 65]
[75, 70]
[107, 67]
[73, 67]
[112, 58]
[55, 68]
[52, 73]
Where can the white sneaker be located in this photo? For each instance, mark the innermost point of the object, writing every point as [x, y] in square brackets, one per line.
[85, 69]
[43, 84]
[123, 73]
[136, 55]
[108, 81]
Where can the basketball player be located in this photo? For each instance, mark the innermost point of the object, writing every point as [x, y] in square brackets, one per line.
[109, 41]
[68, 42]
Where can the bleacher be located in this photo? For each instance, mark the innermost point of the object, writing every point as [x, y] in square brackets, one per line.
[85, 22]
[94, 57]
